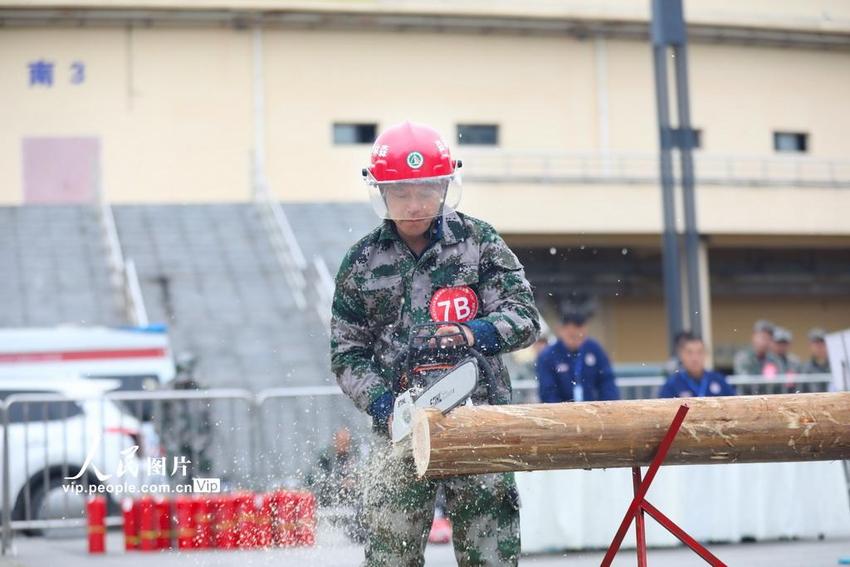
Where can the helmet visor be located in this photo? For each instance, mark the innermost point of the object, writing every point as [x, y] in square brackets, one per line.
[413, 200]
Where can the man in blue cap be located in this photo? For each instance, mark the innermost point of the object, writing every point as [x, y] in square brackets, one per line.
[575, 368]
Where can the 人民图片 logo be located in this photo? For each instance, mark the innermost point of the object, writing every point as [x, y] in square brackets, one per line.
[130, 464]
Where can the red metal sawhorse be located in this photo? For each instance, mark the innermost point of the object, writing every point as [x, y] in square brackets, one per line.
[640, 505]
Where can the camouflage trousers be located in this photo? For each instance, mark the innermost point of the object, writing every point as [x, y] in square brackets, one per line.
[399, 510]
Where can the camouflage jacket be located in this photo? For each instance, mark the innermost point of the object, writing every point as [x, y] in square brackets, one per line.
[382, 289]
[747, 363]
[789, 364]
[815, 367]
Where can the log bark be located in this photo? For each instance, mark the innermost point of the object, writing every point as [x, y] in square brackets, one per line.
[739, 429]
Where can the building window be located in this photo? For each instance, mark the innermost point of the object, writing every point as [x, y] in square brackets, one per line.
[697, 138]
[790, 141]
[347, 133]
[478, 134]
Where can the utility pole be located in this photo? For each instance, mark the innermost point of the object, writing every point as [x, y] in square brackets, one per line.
[668, 33]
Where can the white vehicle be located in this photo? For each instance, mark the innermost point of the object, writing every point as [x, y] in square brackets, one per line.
[51, 440]
[140, 358]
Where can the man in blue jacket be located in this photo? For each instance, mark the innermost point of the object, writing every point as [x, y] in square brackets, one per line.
[692, 379]
[575, 368]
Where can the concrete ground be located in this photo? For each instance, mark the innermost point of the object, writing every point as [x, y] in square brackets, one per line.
[334, 550]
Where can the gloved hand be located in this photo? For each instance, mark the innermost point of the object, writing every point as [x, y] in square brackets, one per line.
[452, 329]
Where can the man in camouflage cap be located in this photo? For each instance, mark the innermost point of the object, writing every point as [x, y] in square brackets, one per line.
[426, 262]
[758, 360]
[789, 363]
[819, 361]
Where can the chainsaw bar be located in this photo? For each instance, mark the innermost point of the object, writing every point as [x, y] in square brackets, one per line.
[445, 394]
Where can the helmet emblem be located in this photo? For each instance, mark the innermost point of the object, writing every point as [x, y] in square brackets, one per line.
[415, 160]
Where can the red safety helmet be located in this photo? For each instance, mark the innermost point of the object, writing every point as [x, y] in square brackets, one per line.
[412, 175]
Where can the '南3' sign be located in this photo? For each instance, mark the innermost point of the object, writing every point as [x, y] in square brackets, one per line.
[42, 73]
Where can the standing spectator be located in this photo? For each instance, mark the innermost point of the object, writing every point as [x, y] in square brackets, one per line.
[336, 482]
[692, 379]
[758, 360]
[335, 476]
[789, 363]
[819, 361]
[575, 368]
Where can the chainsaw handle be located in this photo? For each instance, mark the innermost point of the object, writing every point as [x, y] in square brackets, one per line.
[398, 370]
[483, 364]
[401, 364]
[485, 367]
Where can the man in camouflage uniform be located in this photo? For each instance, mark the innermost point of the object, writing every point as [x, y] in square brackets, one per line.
[789, 363]
[384, 286]
[758, 360]
[819, 361]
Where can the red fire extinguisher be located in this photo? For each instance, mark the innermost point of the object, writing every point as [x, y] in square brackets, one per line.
[305, 518]
[131, 525]
[96, 512]
[203, 532]
[147, 524]
[163, 515]
[224, 522]
[185, 523]
[285, 517]
[247, 527]
[265, 521]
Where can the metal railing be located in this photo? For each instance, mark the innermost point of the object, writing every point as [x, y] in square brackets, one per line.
[285, 245]
[311, 406]
[324, 289]
[133, 292]
[646, 387]
[122, 271]
[311, 282]
[631, 168]
[256, 441]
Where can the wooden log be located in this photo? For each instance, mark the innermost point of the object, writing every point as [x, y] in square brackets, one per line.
[738, 429]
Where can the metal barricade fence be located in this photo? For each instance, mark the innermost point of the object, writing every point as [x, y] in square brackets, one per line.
[58, 449]
[213, 429]
[250, 441]
[297, 424]
[646, 387]
[781, 384]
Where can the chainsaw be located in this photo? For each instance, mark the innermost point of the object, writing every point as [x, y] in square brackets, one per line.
[438, 371]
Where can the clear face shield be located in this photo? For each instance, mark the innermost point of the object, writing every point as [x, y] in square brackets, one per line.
[415, 199]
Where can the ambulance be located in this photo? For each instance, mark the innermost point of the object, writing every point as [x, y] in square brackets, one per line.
[81, 363]
[136, 358]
